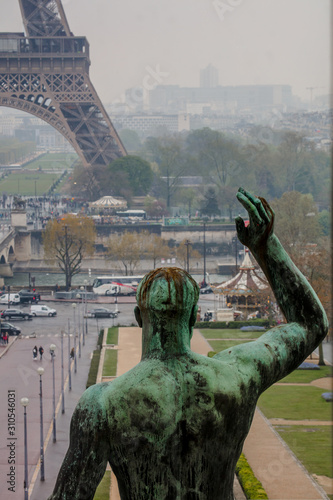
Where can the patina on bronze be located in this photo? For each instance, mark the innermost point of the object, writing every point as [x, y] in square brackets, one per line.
[173, 427]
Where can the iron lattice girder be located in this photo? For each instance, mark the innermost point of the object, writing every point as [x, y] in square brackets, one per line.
[44, 18]
[48, 76]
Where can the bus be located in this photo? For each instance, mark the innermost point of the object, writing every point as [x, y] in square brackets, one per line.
[116, 285]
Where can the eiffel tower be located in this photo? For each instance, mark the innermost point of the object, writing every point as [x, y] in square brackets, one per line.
[46, 74]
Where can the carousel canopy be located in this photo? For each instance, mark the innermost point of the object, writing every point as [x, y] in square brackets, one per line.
[245, 283]
[109, 202]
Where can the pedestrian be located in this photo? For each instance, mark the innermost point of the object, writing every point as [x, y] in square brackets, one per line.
[34, 353]
[5, 338]
[41, 352]
[72, 353]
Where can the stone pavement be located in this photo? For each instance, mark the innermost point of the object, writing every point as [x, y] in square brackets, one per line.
[19, 373]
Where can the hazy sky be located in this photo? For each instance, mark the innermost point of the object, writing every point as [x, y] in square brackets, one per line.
[249, 41]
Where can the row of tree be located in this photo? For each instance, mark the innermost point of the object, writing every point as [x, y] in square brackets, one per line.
[285, 162]
[13, 150]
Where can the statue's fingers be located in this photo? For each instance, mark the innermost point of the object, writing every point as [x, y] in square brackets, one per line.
[240, 227]
[261, 208]
[250, 207]
[248, 195]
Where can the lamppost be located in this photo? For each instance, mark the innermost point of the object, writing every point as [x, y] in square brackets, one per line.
[204, 248]
[69, 358]
[62, 374]
[83, 313]
[40, 371]
[187, 243]
[79, 322]
[24, 403]
[52, 349]
[85, 306]
[75, 365]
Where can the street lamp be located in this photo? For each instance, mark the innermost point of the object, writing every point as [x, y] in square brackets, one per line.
[75, 365]
[204, 248]
[187, 243]
[85, 305]
[52, 349]
[83, 313]
[69, 358]
[40, 371]
[79, 323]
[24, 403]
[62, 374]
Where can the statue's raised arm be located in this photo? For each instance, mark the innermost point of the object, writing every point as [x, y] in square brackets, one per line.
[282, 349]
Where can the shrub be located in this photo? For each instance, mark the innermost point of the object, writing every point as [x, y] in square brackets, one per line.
[252, 487]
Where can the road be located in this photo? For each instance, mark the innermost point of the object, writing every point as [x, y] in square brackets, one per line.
[18, 373]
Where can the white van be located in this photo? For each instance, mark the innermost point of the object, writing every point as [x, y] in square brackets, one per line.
[14, 298]
[42, 310]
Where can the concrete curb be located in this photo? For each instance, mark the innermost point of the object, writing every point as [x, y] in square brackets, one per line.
[102, 357]
[8, 346]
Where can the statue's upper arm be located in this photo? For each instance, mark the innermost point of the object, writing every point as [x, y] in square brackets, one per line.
[269, 358]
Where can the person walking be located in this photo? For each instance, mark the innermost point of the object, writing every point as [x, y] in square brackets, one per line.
[41, 352]
[34, 353]
[5, 338]
[72, 353]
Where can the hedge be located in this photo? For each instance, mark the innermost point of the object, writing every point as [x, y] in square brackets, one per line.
[252, 487]
[231, 324]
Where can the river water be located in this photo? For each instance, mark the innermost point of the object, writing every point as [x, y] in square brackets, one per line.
[42, 279]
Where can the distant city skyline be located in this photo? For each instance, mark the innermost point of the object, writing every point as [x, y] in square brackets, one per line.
[146, 43]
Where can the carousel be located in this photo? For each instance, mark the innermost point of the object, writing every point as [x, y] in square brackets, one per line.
[242, 291]
[109, 202]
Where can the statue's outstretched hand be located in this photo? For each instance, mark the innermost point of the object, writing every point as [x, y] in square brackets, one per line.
[261, 216]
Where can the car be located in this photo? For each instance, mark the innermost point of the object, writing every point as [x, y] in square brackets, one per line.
[102, 312]
[15, 314]
[42, 310]
[9, 328]
[26, 296]
[206, 289]
[10, 298]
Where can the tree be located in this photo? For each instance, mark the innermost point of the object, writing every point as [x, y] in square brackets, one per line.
[155, 247]
[168, 153]
[68, 241]
[127, 250]
[137, 170]
[210, 206]
[185, 249]
[155, 208]
[297, 221]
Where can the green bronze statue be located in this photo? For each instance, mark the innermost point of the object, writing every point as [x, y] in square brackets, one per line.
[173, 427]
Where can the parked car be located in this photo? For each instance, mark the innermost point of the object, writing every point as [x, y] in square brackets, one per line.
[206, 289]
[42, 310]
[13, 298]
[102, 312]
[9, 328]
[15, 314]
[26, 296]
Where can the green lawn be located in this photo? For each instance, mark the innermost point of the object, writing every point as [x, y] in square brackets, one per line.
[312, 446]
[307, 376]
[110, 363]
[231, 333]
[112, 337]
[295, 403]
[28, 183]
[220, 345]
[103, 490]
[53, 161]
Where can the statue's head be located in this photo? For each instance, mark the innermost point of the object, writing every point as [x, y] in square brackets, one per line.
[167, 296]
